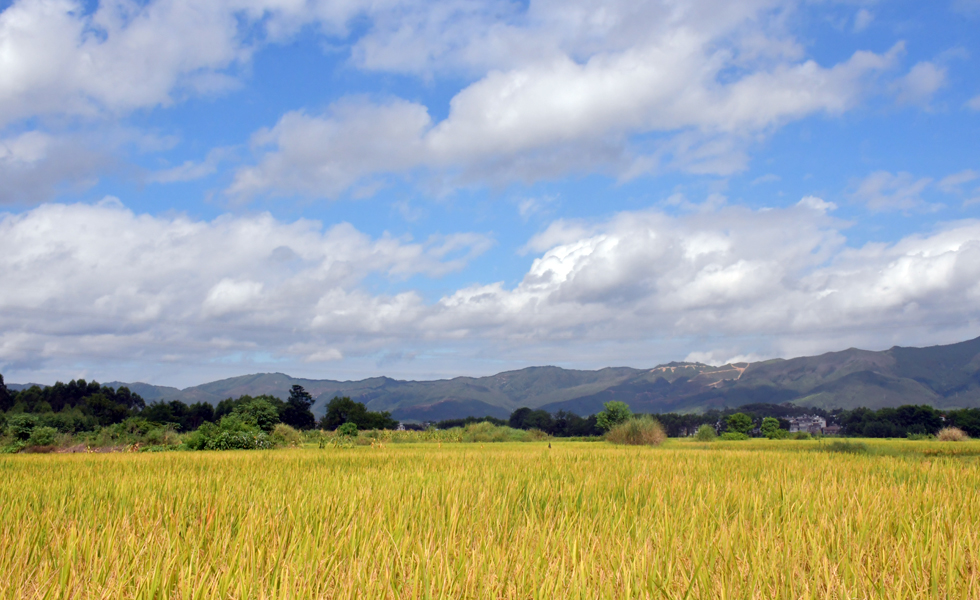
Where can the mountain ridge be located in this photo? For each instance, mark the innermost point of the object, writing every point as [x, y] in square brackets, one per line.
[946, 376]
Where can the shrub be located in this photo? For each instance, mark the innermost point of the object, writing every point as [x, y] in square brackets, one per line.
[734, 436]
[952, 434]
[801, 435]
[347, 430]
[42, 436]
[705, 433]
[284, 435]
[21, 425]
[638, 431]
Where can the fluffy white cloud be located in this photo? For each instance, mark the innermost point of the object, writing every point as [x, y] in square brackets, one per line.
[783, 275]
[34, 166]
[884, 191]
[64, 57]
[549, 118]
[96, 283]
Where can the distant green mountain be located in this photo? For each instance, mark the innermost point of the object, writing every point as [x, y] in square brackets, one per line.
[941, 376]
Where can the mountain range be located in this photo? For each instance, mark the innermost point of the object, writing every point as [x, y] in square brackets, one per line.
[941, 376]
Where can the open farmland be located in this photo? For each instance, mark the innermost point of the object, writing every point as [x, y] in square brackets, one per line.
[758, 519]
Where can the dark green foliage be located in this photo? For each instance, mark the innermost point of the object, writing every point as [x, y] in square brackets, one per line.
[739, 423]
[344, 410]
[615, 413]
[967, 419]
[184, 417]
[230, 435]
[525, 418]
[734, 436]
[89, 404]
[6, 399]
[892, 422]
[450, 423]
[20, 425]
[347, 430]
[42, 436]
[296, 413]
[770, 429]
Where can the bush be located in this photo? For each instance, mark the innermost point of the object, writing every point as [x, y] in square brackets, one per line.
[42, 436]
[638, 431]
[801, 435]
[284, 435]
[705, 433]
[952, 434]
[21, 425]
[347, 430]
[734, 436]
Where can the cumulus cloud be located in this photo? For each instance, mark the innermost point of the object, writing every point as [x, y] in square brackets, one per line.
[553, 117]
[98, 282]
[82, 280]
[885, 191]
[782, 274]
[64, 57]
[35, 166]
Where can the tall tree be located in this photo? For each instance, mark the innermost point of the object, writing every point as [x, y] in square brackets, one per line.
[6, 400]
[296, 413]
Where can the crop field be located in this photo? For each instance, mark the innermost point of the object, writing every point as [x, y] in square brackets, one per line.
[759, 519]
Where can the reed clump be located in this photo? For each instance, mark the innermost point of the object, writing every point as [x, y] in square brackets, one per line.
[951, 434]
[638, 431]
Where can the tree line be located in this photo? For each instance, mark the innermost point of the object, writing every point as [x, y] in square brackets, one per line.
[82, 406]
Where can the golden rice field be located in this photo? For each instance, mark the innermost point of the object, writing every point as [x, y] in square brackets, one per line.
[761, 519]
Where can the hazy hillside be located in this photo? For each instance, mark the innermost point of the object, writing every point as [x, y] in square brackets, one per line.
[942, 376]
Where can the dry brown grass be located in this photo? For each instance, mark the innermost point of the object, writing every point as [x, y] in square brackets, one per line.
[952, 434]
[638, 431]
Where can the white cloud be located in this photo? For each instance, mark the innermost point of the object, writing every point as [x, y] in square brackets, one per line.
[97, 283]
[974, 103]
[34, 166]
[100, 281]
[783, 275]
[884, 191]
[920, 84]
[60, 57]
[551, 118]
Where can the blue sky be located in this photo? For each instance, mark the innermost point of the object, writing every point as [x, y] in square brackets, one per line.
[196, 190]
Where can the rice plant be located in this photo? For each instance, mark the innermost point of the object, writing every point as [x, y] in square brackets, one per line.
[507, 520]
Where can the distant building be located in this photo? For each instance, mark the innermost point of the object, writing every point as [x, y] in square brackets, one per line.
[807, 423]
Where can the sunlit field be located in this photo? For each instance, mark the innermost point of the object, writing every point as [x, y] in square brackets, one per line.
[759, 519]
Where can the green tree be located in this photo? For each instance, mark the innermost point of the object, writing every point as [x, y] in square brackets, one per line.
[615, 413]
[259, 413]
[6, 400]
[706, 433]
[344, 410]
[770, 428]
[740, 423]
[296, 412]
